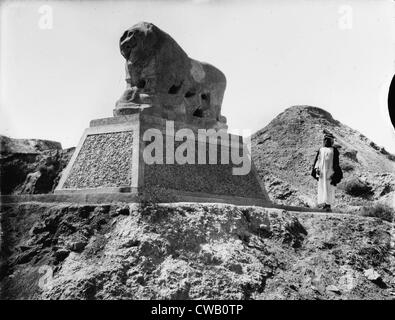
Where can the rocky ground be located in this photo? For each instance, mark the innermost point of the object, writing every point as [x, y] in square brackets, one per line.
[284, 152]
[192, 251]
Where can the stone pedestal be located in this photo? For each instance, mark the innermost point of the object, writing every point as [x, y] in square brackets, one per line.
[110, 160]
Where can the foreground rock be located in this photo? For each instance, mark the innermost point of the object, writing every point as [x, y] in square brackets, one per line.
[191, 251]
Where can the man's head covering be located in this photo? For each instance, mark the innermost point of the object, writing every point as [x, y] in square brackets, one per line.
[328, 135]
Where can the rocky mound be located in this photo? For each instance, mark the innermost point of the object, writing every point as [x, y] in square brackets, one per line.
[26, 146]
[285, 149]
[191, 251]
[31, 165]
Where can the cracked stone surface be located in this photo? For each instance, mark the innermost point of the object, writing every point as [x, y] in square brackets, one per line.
[192, 251]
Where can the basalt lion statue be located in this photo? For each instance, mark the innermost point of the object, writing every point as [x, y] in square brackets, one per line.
[163, 81]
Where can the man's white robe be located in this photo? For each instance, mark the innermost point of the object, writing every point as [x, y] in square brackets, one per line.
[326, 191]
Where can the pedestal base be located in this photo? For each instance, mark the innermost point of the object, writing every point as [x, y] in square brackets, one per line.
[110, 159]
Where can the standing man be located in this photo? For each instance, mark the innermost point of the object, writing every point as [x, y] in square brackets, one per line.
[327, 171]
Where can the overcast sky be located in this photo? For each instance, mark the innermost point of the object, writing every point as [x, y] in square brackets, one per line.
[336, 55]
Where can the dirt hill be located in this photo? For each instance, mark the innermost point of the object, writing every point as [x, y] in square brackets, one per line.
[284, 152]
